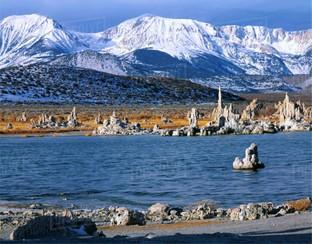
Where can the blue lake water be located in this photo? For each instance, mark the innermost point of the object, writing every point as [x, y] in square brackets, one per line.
[137, 171]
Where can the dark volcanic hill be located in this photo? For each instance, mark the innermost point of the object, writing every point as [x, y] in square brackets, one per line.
[45, 83]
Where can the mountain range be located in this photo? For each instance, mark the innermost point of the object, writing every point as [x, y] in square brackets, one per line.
[156, 46]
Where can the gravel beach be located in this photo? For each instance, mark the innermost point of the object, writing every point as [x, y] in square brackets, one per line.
[293, 228]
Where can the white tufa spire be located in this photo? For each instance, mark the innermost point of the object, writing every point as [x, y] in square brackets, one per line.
[220, 104]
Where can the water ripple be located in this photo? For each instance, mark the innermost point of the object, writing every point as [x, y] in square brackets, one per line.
[138, 171]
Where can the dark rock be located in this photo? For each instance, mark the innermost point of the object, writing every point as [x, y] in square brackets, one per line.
[51, 226]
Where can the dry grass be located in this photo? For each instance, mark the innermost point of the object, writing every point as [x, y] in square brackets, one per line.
[147, 116]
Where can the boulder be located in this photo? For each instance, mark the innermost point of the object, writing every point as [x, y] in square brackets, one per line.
[202, 211]
[158, 212]
[220, 212]
[250, 161]
[175, 214]
[280, 213]
[233, 213]
[158, 208]
[299, 205]
[251, 211]
[124, 216]
[52, 226]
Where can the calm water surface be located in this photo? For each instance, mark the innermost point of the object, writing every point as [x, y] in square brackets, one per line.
[138, 171]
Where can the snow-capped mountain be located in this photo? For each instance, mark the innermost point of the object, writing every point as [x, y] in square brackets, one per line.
[254, 49]
[33, 38]
[157, 46]
[184, 38]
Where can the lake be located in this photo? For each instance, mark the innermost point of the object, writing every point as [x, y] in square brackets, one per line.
[137, 171]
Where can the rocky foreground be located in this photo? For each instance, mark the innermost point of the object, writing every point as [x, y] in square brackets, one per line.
[39, 221]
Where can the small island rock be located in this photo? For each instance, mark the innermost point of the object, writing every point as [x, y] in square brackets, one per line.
[250, 161]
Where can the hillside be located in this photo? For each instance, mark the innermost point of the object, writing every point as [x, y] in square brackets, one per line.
[45, 83]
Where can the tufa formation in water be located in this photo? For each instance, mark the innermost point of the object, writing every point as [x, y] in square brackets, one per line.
[250, 161]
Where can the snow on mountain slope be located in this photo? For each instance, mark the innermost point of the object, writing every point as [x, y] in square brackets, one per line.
[255, 49]
[178, 38]
[31, 38]
[93, 60]
[196, 48]
[271, 41]
[186, 37]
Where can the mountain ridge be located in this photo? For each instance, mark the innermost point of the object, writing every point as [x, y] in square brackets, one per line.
[151, 45]
[180, 38]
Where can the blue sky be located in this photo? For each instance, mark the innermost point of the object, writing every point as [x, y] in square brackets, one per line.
[96, 15]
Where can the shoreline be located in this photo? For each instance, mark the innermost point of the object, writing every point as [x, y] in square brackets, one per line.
[52, 133]
[218, 226]
[159, 222]
[88, 133]
[286, 229]
[222, 119]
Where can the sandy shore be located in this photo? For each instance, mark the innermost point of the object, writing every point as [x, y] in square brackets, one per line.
[292, 223]
[292, 228]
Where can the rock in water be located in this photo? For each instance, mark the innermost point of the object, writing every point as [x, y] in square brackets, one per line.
[250, 161]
